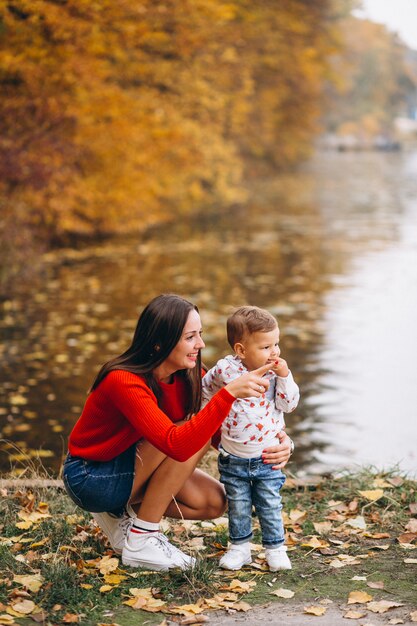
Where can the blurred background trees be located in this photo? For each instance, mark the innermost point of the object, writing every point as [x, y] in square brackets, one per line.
[118, 115]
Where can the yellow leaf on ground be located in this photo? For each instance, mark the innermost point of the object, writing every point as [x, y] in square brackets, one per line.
[413, 616]
[322, 528]
[241, 606]
[315, 610]
[359, 597]
[146, 592]
[6, 619]
[114, 579]
[380, 482]
[154, 605]
[241, 586]
[396, 620]
[105, 588]
[283, 593]
[414, 561]
[315, 543]
[372, 494]
[86, 586]
[108, 564]
[352, 614]
[24, 525]
[136, 603]
[24, 606]
[186, 609]
[32, 582]
[382, 606]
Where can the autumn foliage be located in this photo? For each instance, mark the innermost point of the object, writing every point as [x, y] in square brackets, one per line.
[115, 115]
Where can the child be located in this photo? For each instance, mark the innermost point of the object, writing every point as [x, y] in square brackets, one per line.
[252, 425]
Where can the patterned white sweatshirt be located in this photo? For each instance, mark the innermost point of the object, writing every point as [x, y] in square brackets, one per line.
[253, 424]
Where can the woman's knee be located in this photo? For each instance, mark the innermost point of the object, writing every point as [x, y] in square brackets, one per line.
[216, 503]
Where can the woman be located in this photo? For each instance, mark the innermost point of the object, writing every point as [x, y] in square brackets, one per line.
[133, 452]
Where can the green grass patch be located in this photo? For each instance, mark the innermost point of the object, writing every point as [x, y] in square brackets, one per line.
[64, 547]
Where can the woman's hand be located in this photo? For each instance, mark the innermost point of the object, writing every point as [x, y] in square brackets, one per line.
[250, 384]
[280, 454]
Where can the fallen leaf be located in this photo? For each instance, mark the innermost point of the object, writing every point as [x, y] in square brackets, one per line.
[241, 586]
[108, 564]
[6, 619]
[322, 528]
[395, 481]
[413, 616]
[380, 482]
[396, 620]
[31, 582]
[382, 606]
[283, 593]
[195, 619]
[296, 516]
[105, 588]
[241, 606]
[412, 526]
[24, 606]
[357, 522]
[315, 543]
[352, 614]
[71, 618]
[315, 610]
[407, 537]
[411, 561]
[372, 494]
[358, 578]
[186, 609]
[359, 597]
[378, 584]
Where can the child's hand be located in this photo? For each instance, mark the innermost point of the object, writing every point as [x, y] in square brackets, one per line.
[280, 368]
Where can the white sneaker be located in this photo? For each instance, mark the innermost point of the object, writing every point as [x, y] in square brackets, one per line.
[115, 528]
[153, 551]
[182, 559]
[237, 556]
[277, 558]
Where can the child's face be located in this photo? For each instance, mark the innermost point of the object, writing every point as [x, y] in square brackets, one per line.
[259, 348]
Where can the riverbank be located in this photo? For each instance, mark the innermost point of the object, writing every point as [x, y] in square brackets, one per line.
[351, 540]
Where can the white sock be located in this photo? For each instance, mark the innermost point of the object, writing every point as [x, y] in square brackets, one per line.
[142, 527]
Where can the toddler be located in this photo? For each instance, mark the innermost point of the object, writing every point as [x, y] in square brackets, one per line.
[252, 425]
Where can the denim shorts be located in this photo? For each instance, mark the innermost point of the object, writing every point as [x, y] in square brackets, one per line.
[100, 486]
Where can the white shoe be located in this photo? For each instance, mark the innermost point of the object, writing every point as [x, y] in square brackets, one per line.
[277, 558]
[237, 556]
[115, 528]
[153, 551]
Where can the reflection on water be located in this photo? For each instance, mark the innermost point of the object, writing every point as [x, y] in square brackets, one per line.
[331, 251]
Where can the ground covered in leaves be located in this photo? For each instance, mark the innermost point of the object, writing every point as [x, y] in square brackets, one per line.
[351, 539]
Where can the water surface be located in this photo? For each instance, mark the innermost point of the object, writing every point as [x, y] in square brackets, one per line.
[331, 251]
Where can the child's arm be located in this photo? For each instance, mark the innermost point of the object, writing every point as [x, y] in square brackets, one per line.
[212, 382]
[287, 393]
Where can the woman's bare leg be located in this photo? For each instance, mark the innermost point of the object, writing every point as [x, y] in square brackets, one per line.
[163, 486]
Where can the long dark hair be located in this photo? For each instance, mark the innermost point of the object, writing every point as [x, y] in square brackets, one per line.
[158, 331]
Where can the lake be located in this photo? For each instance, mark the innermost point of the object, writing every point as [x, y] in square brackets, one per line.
[331, 251]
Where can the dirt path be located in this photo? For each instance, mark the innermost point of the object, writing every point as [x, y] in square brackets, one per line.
[293, 615]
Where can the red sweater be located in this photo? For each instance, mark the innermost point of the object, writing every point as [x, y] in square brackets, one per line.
[123, 409]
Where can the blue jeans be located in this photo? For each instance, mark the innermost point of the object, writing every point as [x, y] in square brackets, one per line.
[100, 486]
[252, 482]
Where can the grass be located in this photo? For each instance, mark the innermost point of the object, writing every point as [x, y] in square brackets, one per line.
[67, 548]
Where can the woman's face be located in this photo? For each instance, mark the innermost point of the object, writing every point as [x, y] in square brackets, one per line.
[185, 353]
